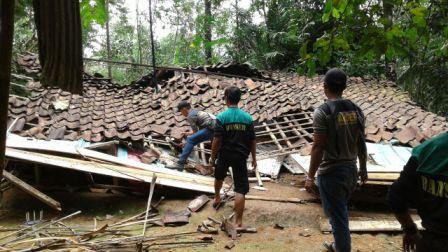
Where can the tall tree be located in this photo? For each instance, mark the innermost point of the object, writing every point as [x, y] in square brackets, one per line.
[6, 36]
[58, 26]
[109, 66]
[208, 30]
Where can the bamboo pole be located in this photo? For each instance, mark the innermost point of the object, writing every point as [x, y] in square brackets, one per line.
[148, 205]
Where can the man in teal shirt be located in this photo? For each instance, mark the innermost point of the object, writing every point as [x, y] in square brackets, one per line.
[233, 141]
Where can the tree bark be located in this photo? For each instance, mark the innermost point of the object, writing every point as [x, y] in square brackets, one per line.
[208, 30]
[58, 25]
[6, 37]
[109, 67]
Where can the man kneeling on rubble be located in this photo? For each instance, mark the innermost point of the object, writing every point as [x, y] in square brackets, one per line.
[338, 142]
[203, 125]
[423, 184]
[234, 140]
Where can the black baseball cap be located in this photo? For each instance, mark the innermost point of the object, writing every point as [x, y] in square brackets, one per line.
[183, 104]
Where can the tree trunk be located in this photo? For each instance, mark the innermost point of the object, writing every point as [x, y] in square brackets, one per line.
[208, 30]
[388, 15]
[139, 46]
[153, 54]
[58, 24]
[6, 37]
[109, 66]
[237, 34]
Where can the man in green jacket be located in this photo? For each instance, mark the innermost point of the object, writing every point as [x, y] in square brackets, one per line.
[423, 184]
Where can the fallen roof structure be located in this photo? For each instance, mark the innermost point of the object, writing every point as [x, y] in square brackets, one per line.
[281, 104]
[106, 111]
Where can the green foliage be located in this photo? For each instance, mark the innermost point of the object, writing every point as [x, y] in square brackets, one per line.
[93, 12]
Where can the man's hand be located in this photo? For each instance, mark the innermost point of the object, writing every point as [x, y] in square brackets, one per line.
[410, 241]
[254, 163]
[186, 134]
[362, 173]
[310, 186]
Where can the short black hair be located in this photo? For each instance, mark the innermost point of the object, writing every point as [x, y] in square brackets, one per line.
[183, 104]
[336, 80]
[232, 94]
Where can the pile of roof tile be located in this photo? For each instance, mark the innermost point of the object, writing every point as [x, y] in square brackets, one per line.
[106, 111]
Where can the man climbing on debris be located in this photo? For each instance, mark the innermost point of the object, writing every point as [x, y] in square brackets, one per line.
[234, 140]
[423, 184]
[338, 142]
[202, 124]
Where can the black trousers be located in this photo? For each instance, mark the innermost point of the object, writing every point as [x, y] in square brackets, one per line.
[238, 163]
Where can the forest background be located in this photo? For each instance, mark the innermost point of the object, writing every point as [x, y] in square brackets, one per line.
[405, 41]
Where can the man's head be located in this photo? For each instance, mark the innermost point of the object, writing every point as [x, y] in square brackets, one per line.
[335, 82]
[184, 108]
[232, 95]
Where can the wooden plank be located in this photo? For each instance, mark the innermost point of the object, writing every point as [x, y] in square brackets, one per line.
[32, 191]
[379, 183]
[113, 170]
[356, 225]
[276, 199]
[60, 146]
[383, 176]
[144, 167]
[252, 179]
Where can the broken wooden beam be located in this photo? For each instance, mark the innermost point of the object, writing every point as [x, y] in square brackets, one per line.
[32, 191]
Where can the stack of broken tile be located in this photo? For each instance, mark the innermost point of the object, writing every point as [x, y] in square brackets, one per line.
[106, 111]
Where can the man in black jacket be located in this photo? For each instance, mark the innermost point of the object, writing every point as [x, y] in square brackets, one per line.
[423, 184]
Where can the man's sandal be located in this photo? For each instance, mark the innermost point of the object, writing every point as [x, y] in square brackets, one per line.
[329, 246]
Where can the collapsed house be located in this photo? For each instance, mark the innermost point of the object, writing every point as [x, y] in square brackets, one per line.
[143, 118]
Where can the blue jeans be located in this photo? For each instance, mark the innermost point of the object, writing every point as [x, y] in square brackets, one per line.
[335, 189]
[193, 140]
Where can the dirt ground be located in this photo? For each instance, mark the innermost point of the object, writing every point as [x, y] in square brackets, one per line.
[301, 232]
